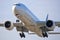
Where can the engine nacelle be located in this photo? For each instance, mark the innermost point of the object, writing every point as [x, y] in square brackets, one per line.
[50, 25]
[8, 25]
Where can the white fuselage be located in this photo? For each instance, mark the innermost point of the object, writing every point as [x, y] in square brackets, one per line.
[27, 17]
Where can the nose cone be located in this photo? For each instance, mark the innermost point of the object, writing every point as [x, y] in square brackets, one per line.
[13, 8]
[18, 7]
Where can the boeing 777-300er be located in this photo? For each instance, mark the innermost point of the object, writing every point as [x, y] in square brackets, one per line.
[29, 22]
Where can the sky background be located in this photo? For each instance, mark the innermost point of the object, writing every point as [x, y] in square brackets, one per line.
[39, 7]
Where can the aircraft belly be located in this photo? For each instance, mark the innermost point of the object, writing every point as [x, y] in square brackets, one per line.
[35, 29]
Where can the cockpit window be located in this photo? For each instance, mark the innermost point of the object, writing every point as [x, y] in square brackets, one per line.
[18, 4]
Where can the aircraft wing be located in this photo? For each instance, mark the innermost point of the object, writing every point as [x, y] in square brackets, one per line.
[43, 23]
[49, 33]
[19, 26]
[14, 24]
[57, 24]
[1, 24]
[53, 32]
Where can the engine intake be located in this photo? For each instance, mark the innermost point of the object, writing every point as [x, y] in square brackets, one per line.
[8, 25]
[49, 23]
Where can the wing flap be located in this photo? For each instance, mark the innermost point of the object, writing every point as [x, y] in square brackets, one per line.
[17, 24]
[20, 27]
[14, 24]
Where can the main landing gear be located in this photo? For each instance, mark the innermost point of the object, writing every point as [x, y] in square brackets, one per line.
[22, 35]
[45, 34]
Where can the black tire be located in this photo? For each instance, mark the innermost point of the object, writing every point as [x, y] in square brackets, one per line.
[45, 34]
[22, 35]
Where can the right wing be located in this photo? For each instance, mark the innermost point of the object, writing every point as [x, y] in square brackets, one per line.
[19, 26]
[14, 24]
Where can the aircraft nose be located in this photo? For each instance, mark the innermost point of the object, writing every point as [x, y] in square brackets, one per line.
[13, 8]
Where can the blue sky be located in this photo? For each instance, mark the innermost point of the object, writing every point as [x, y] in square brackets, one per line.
[39, 7]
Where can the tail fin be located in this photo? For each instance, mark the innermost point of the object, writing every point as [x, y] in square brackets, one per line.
[47, 17]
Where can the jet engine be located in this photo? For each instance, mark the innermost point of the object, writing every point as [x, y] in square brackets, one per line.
[50, 25]
[8, 25]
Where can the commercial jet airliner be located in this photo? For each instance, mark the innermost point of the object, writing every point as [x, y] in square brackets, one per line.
[29, 22]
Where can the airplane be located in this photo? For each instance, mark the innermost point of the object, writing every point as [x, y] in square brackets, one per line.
[29, 22]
